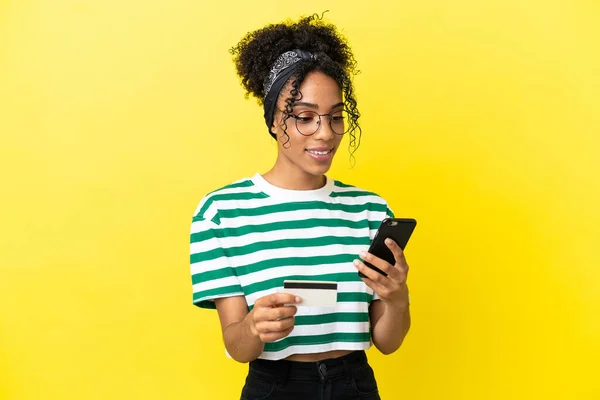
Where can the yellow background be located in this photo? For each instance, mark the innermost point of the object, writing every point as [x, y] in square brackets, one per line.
[480, 120]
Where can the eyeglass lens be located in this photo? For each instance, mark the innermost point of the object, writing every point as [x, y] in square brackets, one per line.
[308, 122]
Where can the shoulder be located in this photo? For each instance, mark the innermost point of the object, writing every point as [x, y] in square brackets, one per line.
[209, 205]
[341, 189]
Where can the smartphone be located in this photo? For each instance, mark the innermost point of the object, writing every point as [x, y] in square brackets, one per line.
[397, 229]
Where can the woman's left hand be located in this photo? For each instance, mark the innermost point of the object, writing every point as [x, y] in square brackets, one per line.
[391, 289]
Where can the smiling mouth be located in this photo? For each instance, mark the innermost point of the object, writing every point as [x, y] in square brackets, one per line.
[320, 153]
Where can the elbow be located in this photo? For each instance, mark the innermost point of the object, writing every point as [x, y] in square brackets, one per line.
[387, 350]
[242, 360]
[389, 345]
[241, 356]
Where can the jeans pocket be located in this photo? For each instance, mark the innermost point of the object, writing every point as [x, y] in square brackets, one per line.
[257, 387]
[363, 381]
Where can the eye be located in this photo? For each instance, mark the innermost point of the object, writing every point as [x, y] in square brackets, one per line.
[305, 117]
[338, 117]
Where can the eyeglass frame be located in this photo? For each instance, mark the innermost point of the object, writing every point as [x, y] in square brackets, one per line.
[330, 115]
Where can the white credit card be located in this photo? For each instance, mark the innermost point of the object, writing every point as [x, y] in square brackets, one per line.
[313, 293]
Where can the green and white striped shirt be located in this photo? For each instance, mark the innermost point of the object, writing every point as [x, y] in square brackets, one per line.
[250, 236]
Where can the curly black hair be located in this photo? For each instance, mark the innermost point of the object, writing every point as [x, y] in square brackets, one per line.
[258, 50]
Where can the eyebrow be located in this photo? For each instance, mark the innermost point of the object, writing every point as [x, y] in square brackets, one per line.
[316, 106]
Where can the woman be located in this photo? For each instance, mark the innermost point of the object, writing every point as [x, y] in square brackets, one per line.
[295, 223]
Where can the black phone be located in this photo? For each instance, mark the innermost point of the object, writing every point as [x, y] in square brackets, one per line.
[397, 229]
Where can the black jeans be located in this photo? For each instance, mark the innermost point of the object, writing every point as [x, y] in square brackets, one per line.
[348, 377]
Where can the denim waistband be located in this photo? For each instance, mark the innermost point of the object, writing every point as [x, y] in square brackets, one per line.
[324, 369]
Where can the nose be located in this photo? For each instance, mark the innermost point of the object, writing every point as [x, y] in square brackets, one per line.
[324, 132]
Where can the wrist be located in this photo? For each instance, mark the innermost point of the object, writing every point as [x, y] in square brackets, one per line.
[397, 307]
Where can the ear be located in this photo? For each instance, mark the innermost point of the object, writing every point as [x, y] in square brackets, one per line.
[276, 124]
[273, 131]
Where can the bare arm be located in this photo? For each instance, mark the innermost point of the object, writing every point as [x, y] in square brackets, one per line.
[240, 342]
[245, 333]
[390, 325]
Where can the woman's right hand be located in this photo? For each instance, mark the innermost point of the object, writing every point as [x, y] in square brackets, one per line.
[270, 319]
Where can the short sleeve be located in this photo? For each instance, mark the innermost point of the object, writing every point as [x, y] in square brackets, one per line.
[388, 212]
[212, 275]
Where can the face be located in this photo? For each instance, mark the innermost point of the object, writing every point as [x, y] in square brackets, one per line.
[310, 154]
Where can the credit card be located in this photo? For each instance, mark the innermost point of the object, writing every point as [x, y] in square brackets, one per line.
[313, 293]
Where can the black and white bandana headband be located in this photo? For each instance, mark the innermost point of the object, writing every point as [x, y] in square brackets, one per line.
[284, 67]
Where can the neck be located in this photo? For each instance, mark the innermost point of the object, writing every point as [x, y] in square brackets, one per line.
[293, 178]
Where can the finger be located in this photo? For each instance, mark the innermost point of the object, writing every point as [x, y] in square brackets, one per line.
[398, 254]
[274, 313]
[370, 273]
[376, 286]
[275, 299]
[379, 263]
[275, 326]
[381, 290]
[273, 336]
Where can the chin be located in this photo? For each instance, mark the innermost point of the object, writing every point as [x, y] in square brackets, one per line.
[318, 170]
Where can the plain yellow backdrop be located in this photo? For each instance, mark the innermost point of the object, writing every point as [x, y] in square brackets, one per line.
[480, 120]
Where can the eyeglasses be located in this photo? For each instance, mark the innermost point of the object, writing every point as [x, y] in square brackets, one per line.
[309, 122]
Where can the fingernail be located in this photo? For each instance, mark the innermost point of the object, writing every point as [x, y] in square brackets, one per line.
[388, 241]
[298, 299]
[363, 254]
[356, 263]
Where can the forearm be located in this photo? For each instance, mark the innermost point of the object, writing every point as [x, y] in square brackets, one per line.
[391, 328]
[241, 343]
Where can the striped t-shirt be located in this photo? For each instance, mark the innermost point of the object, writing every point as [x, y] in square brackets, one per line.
[250, 236]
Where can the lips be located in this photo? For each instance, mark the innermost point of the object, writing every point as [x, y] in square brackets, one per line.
[321, 154]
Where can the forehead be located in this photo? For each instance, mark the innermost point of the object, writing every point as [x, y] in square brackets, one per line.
[317, 88]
